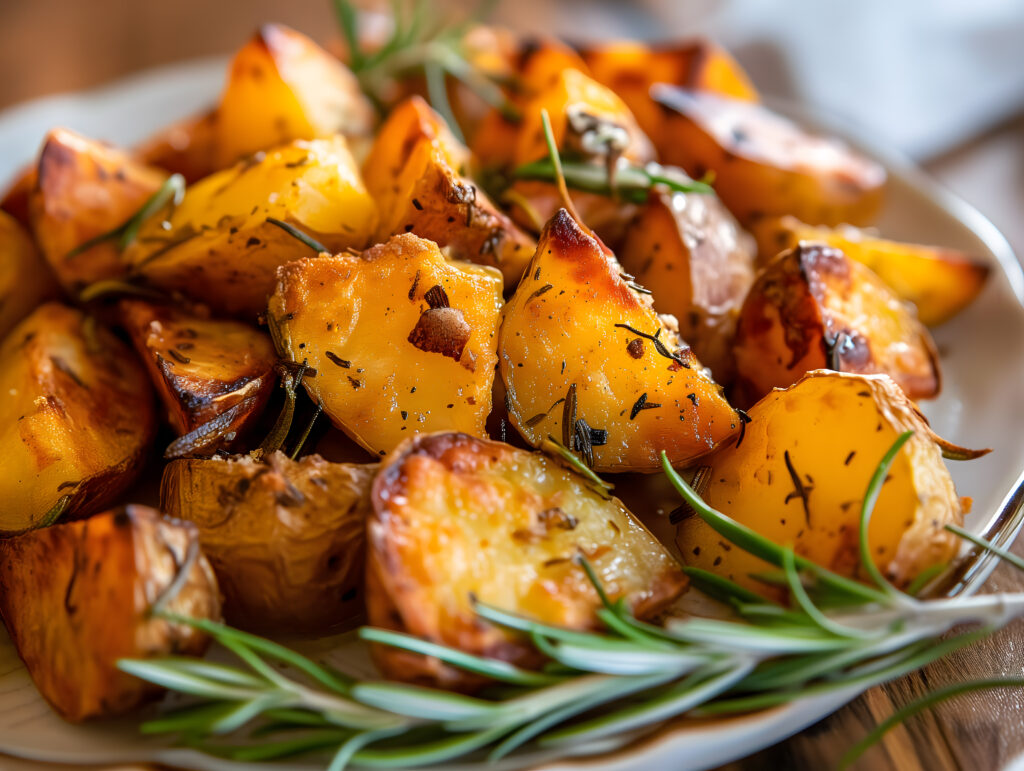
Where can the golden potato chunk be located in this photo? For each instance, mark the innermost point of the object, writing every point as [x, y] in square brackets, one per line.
[14, 200]
[84, 189]
[286, 538]
[412, 174]
[586, 360]
[221, 249]
[814, 308]
[700, 264]
[800, 474]
[939, 282]
[763, 164]
[213, 376]
[186, 147]
[76, 420]
[77, 597]
[25, 278]
[402, 341]
[456, 517]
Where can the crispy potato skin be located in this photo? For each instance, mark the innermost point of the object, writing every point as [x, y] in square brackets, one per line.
[830, 430]
[25, 278]
[75, 598]
[689, 249]
[203, 368]
[77, 420]
[455, 516]
[221, 250]
[763, 164]
[286, 538]
[561, 328]
[83, 189]
[939, 282]
[813, 307]
[414, 173]
[390, 363]
[630, 68]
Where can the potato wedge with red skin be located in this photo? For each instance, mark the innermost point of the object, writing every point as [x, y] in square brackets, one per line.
[76, 422]
[286, 538]
[203, 368]
[690, 250]
[800, 474]
[939, 282]
[84, 189]
[575, 323]
[77, 597]
[765, 165]
[814, 308]
[402, 341]
[26, 280]
[457, 517]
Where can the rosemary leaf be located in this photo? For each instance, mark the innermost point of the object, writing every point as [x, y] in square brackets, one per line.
[299, 235]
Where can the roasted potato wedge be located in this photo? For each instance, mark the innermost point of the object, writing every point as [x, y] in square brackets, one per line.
[85, 189]
[939, 282]
[700, 263]
[814, 308]
[286, 538]
[411, 121]
[418, 190]
[185, 148]
[763, 164]
[25, 278]
[631, 68]
[584, 357]
[220, 248]
[456, 518]
[801, 472]
[402, 341]
[15, 198]
[213, 376]
[77, 597]
[77, 418]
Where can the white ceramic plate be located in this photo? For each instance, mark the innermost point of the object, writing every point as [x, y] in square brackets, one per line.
[982, 405]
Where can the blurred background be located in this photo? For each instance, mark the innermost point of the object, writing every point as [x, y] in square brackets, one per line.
[940, 80]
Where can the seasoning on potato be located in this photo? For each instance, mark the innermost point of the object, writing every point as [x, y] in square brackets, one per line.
[586, 360]
[76, 420]
[458, 519]
[800, 474]
[77, 597]
[401, 340]
[813, 308]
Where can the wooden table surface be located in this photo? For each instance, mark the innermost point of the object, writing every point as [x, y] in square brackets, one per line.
[978, 731]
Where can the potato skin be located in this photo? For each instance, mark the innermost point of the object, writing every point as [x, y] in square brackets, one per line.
[455, 517]
[574, 321]
[221, 250]
[813, 307]
[77, 420]
[76, 597]
[203, 368]
[830, 430]
[25, 278]
[690, 250]
[83, 189]
[390, 359]
[286, 538]
[763, 164]
[939, 282]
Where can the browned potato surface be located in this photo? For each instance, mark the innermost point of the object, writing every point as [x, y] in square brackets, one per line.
[77, 597]
[77, 418]
[25, 278]
[763, 164]
[456, 517]
[811, 308]
[208, 372]
[15, 198]
[801, 472]
[286, 538]
[576, 331]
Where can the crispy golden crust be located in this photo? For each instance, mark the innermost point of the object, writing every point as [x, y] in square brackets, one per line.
[77, 597]
[286, 538]
[456, 517]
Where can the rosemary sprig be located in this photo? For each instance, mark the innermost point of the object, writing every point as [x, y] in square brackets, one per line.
[630, 182]
[299, 235]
